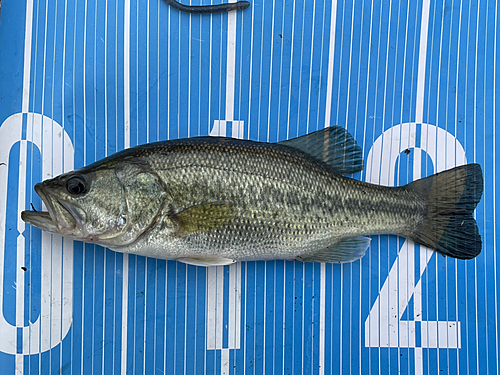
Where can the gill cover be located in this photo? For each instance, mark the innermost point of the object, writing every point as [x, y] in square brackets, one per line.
[144, 197]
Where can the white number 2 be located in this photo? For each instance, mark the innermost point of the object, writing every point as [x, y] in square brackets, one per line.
[384, 326]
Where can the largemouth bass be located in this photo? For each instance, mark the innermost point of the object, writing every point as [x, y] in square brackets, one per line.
[214, 201]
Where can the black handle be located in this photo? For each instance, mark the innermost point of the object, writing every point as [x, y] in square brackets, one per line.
[204, 9]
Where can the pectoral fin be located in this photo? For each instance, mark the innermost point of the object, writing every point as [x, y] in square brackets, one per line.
[206, 262]
[204, 217]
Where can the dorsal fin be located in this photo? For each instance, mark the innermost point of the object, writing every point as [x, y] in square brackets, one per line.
[334, 146]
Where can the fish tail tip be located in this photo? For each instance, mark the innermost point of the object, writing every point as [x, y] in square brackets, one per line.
[451, 197]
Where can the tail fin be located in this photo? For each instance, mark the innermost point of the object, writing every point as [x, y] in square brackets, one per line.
[451, 198]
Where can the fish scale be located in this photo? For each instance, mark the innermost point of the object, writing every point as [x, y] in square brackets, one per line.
[302, 204]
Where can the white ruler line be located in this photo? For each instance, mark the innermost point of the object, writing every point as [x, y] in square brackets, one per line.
[126, 73]
[485, 198]
[27, 55]
[422, 60]
[419, 115]
[231, 330]
[224, 362]
[329, 84]
[230, 64]
[322, 305]
[211, 300]
[19, 366]
[126, 108]
[20, 275]
[219, 325]
[328, 110]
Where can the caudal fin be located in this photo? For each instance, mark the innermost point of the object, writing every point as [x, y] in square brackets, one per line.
[451, 196]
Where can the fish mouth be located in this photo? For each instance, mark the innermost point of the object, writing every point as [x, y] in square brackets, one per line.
[39, 219]
[60, 216]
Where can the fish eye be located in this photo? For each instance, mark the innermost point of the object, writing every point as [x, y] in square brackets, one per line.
[76, 185]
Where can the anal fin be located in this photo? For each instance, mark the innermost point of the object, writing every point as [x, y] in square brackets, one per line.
[347, 250]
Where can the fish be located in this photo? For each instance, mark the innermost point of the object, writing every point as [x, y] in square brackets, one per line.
[210, 201]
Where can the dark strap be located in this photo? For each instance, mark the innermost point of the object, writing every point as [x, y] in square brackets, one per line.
[204, 9]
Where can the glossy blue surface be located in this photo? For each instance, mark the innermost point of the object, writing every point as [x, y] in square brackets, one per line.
[95, 76]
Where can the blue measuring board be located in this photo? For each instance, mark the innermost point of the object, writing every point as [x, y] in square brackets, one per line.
[415, 83]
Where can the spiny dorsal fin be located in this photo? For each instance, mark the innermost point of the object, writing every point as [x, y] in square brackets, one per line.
[347, 250]
[334, 146]
[204, 217]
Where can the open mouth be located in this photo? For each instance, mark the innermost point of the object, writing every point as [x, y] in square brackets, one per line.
[39, 219]
[60, 216]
